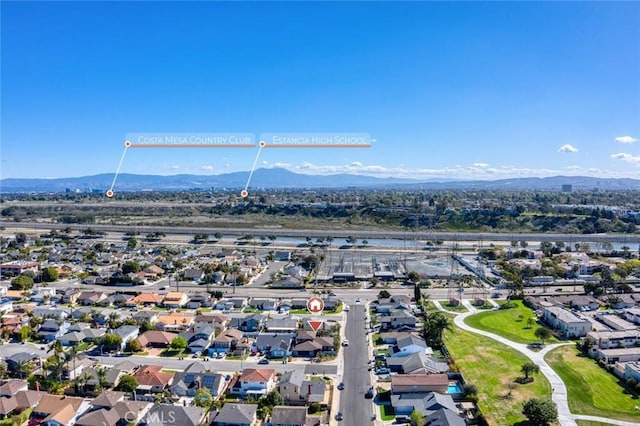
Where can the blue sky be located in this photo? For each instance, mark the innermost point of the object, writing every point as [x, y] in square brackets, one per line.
[448, 90]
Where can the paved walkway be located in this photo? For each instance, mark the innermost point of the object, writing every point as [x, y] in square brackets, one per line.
[559, 390]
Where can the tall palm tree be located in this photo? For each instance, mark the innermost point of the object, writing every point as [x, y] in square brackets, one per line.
[102, 377]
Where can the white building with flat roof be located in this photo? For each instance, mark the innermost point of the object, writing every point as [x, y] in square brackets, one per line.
[566, 322]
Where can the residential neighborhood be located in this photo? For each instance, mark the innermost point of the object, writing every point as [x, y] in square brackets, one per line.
[150, 328]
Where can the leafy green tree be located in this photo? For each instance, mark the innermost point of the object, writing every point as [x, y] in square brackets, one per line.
[132, 243]
[22, 282]
[203, 398]
[111, 341]
[417, 419]
[384, 294]
[130, 266]
[540, 412]
[267, 402]
[133, 346]
[178, 343]
[413, 276]
[529, 368]
[50, 274]
[543, 334]
[127, 383]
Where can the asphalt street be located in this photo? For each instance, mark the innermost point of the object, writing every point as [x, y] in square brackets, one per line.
[356, 409]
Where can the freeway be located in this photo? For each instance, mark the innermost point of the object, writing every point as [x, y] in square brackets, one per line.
[361, 234]
[356, 409]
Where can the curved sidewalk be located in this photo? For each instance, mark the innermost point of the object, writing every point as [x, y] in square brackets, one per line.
[559, 390]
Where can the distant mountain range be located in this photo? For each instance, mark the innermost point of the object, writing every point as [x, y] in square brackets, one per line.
[281, 179]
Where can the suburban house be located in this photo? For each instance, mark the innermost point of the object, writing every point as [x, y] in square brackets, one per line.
[312, 348]
[227, 340]
[199, 338]
[194, 377]
[17, 267]
[151, 379]
[415, 363]
[419, 383]
[411, 344]
[175, 300]
[156, 339]
[428, 404]
[289, 386]
[281, 325]
[73, 370]
[314, 391]
[283, 415]
[256, 381]
[398, 320]
[566, 322]
[51, 329]
[146, 316]
[59, 410]
[126, 333]
[264, 304]
[165, 414]
[250, 323]
[219, 322]
[145, 299]
[12, 387]
[275, 345]
[89, 298]
[236, 415]
[193, 274]
[174, 321]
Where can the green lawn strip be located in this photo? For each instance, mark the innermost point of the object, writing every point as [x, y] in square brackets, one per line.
[592, 390]
[493, 368]
[508, 323]
[589, 423]
[387, 413]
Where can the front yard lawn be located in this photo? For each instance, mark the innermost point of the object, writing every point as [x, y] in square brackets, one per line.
[508, 323]
[592, 390]
[494, 368]
[387, 413]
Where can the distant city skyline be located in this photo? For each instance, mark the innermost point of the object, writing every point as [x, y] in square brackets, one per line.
[446, 90]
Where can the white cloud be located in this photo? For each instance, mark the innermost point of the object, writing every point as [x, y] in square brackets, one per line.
[207, 168]
[626, 139]
[627, 158]
[480, 165]
[568, 148]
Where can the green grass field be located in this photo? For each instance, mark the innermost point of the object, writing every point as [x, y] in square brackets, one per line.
[508, 323]
[592, 390]
[493, 368]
